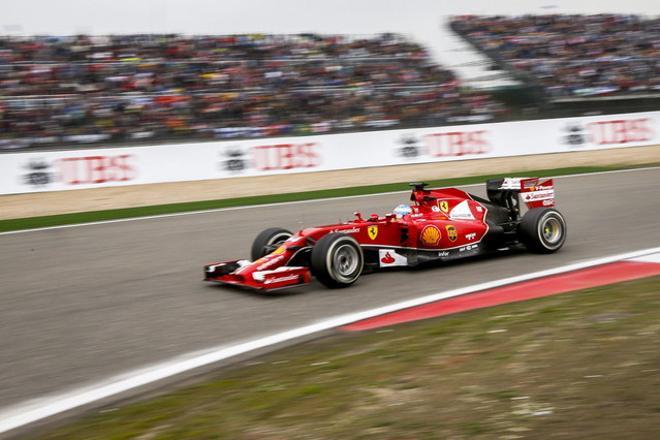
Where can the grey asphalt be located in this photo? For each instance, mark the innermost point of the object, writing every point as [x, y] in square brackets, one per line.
[81, 304]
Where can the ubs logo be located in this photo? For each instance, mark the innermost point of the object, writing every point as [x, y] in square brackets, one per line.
[410, 146]
[39, 173]
[235, 160]
[575, 136]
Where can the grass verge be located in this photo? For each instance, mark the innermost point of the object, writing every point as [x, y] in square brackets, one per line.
[578, 365]
[114, 214]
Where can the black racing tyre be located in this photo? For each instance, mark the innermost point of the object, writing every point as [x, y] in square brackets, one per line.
[337, 260]
[542, 230]
[267, 241]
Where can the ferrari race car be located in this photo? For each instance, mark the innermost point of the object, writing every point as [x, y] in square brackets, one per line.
[438, 225]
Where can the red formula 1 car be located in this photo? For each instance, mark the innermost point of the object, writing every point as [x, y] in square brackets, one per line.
[439, 225]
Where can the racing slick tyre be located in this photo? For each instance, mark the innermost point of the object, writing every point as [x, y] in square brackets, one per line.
[267, 241]
[542, 230]
[337, 260]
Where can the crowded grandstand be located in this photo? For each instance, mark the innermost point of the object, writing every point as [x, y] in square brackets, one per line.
[90, 89]
[573, 55]
[157, 87]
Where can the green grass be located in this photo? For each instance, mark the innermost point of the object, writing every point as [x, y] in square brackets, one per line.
[578, 365]
[114, 214]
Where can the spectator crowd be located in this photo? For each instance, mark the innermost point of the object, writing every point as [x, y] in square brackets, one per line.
[85, 89]
[573, 55]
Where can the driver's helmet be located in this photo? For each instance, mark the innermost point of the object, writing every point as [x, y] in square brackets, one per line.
[402, 210]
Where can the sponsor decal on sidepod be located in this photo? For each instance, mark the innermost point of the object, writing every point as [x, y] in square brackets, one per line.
[389, 258]
[430, 235]
[470, 247]
[451, 232]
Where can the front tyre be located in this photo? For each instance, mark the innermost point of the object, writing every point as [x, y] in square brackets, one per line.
[337, 260]
[543, 230]
[267, 241]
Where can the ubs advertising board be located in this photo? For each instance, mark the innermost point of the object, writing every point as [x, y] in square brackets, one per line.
[107, 167]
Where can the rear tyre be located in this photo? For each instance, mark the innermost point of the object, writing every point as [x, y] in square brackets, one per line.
[267, 241]
[337, 260]
[543, 230]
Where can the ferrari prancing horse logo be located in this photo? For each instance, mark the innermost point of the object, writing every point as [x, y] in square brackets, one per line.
[444, 206]
[372, 231]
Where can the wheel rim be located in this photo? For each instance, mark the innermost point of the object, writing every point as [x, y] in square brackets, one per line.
[345, 262]
[551, 230]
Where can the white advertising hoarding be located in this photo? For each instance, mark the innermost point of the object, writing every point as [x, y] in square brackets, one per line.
[104, 167]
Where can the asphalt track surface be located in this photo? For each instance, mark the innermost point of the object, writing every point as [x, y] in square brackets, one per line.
[81, 304]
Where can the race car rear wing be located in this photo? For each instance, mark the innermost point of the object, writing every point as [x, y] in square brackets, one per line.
[534, 192]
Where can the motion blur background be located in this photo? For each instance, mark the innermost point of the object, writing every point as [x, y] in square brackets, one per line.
[144, 105]
[134, 72]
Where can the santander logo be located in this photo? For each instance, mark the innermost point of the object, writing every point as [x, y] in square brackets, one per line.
[387, 259]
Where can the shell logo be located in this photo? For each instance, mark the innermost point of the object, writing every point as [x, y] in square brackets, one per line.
[430, 235]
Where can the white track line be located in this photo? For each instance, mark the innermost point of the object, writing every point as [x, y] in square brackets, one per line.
[298, 202]
[651, 258]
[39, 409]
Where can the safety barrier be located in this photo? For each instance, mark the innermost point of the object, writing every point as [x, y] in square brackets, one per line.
[105, 167]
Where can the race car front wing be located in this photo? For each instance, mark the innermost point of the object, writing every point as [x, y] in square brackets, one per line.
[234, 273]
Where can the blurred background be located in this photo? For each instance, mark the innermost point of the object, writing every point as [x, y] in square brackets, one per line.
[227, 104]
[123, 73]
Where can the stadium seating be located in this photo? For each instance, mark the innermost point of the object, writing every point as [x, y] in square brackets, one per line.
[572, 56]
[90, 89]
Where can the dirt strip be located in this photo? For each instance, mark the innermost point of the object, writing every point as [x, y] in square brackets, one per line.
[61, 202]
